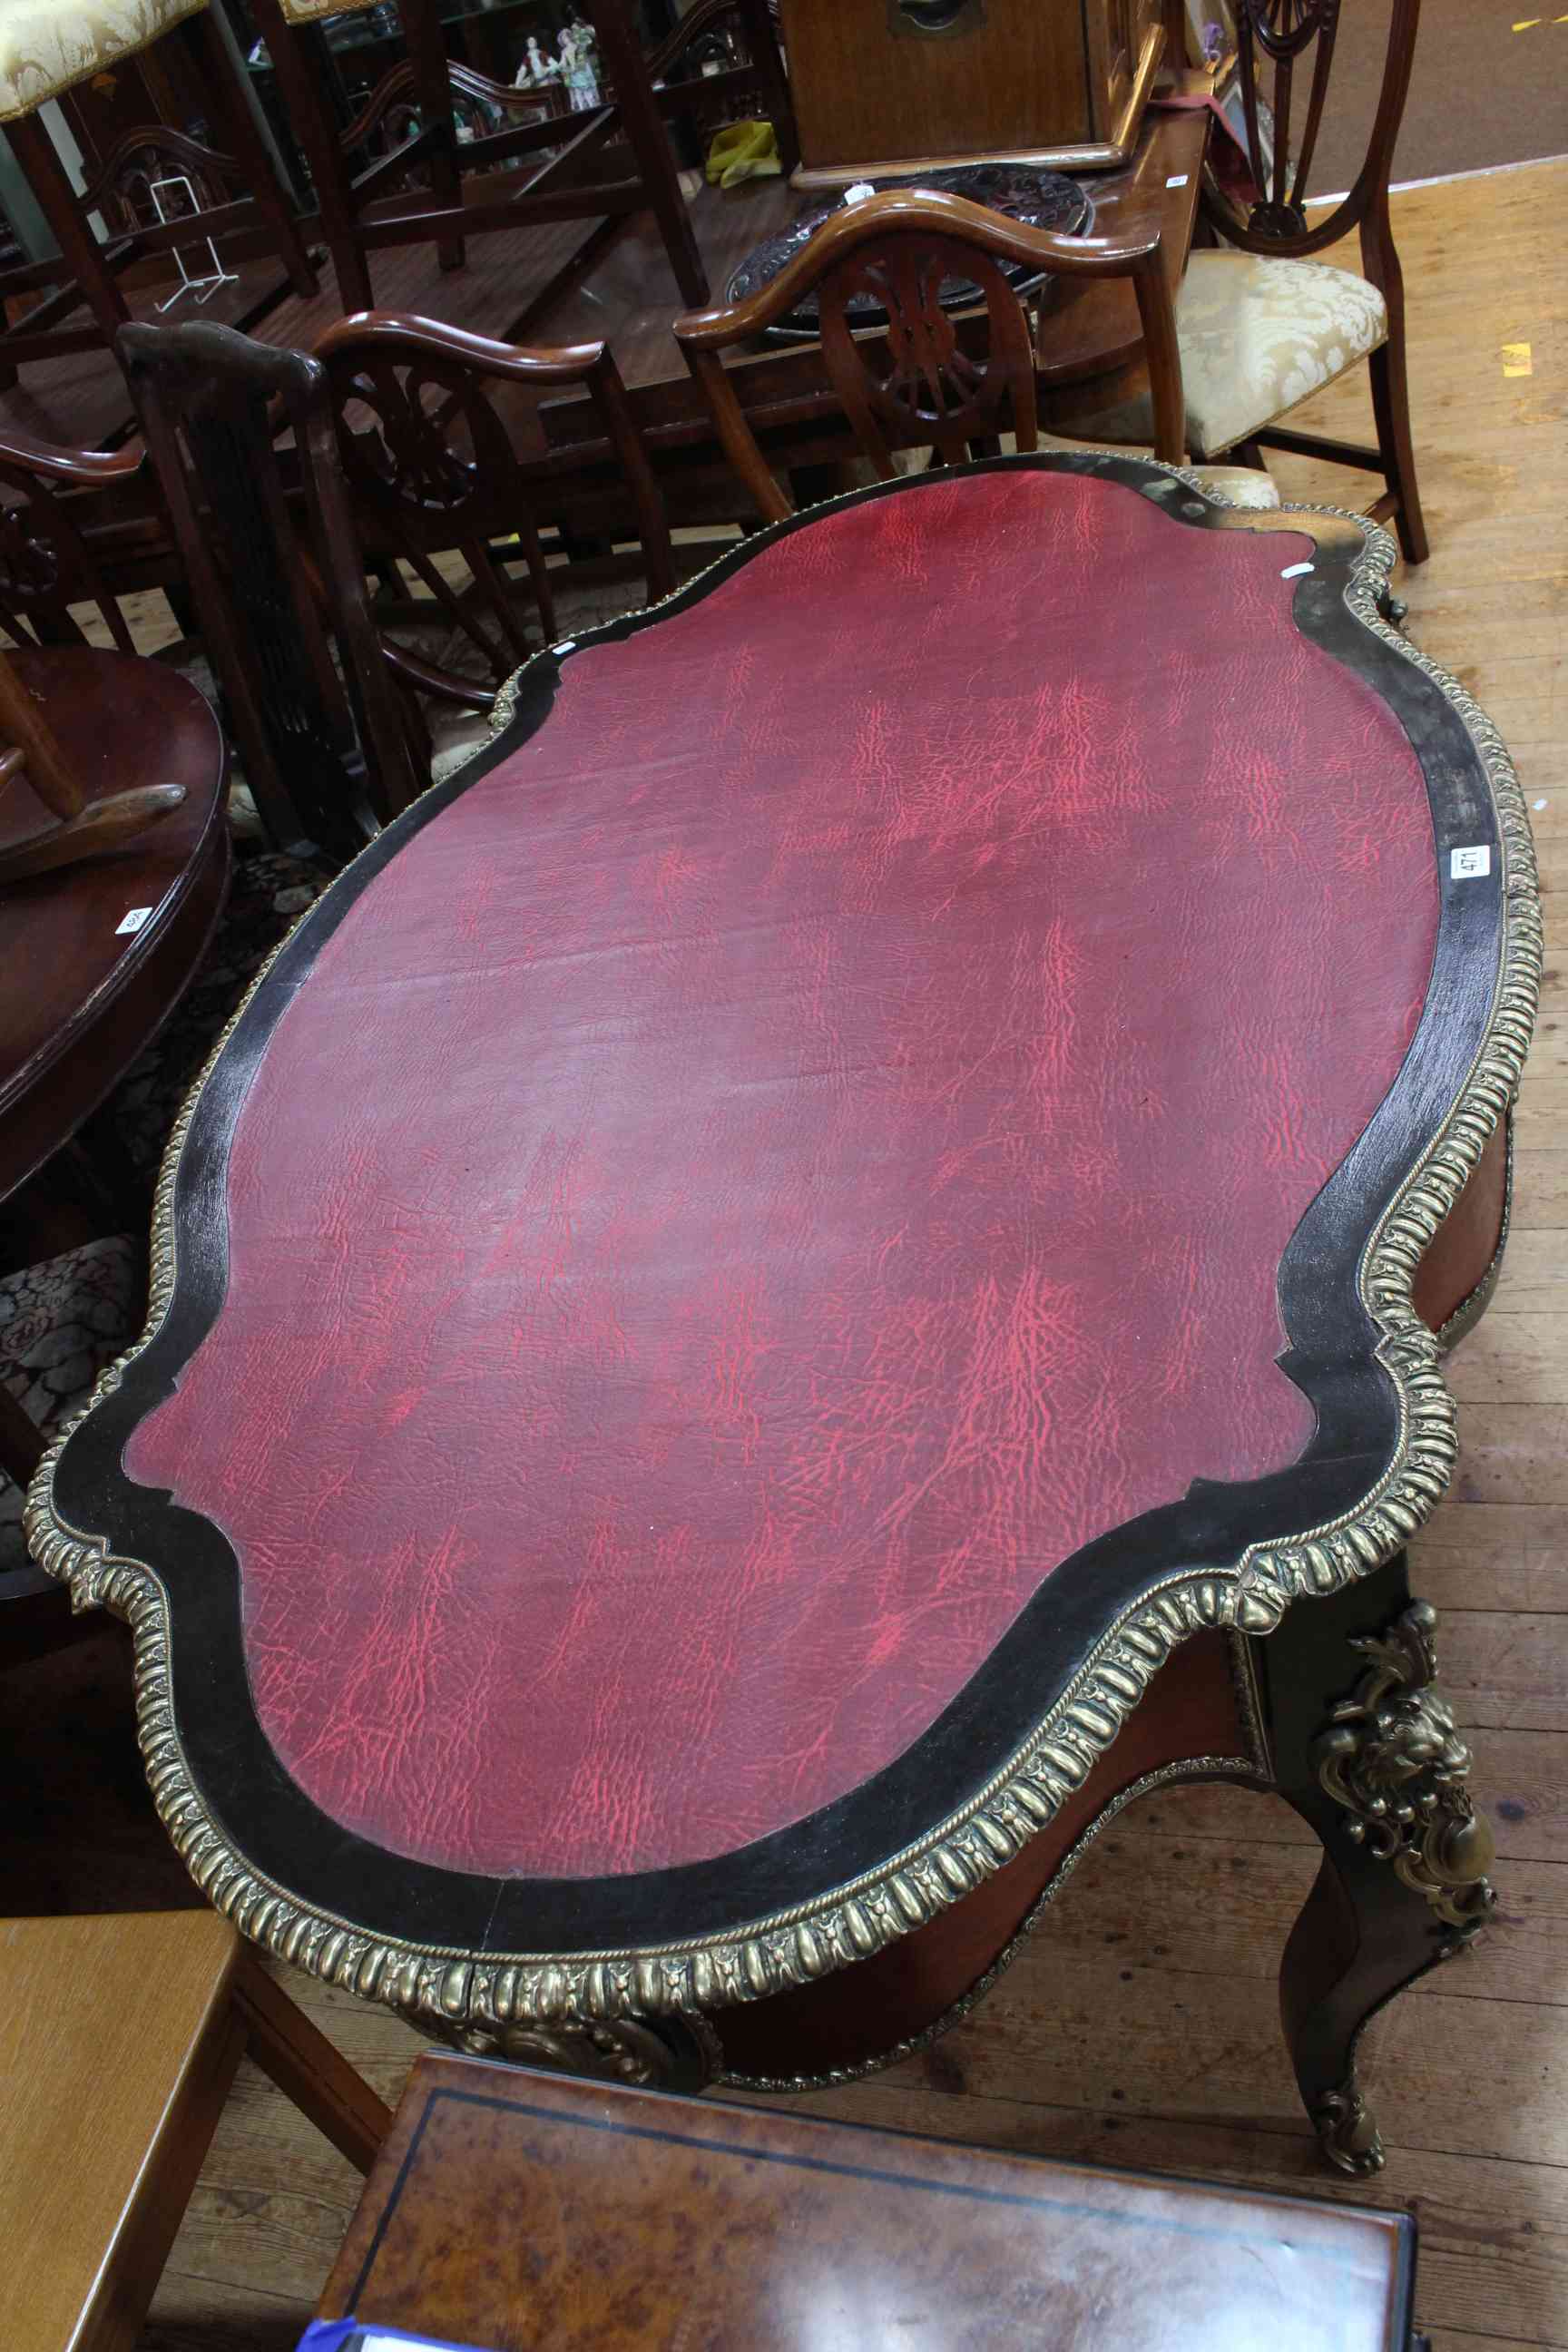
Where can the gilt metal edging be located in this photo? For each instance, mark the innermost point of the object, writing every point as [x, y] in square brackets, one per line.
[444, 1990]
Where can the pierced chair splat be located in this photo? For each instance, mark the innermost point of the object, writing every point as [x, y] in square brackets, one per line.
[921, 385]
[433, 470]
[318, 723]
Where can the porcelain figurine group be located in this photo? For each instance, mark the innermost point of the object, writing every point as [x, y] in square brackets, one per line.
[573, 66]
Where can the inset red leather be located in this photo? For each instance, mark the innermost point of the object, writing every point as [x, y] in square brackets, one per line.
[792, 1153]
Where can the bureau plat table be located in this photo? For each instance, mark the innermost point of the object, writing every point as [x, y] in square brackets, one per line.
[827, 1263]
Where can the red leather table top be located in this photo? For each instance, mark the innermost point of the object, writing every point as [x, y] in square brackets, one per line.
[789, 1155]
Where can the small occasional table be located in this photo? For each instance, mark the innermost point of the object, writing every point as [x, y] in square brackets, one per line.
[523, 2214]
[826, 1265]
[95, 956]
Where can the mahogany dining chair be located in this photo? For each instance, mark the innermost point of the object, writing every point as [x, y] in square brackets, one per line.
[1262, 323]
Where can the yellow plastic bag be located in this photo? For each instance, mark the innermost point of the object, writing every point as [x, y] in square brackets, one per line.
[742, 151]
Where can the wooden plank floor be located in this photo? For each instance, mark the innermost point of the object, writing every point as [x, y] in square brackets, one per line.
[1140, 2027]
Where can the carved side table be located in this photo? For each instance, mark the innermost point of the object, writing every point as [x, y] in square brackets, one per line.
[824, 1264]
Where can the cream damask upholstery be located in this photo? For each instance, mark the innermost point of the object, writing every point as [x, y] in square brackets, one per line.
[48, 46]
[1259, 335]
[1239, 486]
[310, 12]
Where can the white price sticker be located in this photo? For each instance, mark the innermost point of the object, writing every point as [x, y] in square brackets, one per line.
[133, 920]
[1177, 180]
[1468, 865]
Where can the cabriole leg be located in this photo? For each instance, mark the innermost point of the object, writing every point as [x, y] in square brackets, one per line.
[1367, 1752]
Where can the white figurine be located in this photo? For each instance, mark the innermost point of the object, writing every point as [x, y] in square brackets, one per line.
[538, 68]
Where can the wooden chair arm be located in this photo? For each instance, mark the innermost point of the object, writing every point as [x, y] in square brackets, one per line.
[441, 685]
[86, 470]
[400, 334]
[898, 210]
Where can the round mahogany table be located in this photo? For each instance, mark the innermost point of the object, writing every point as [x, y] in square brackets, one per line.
[826, 1264]
[95, 956]
[81, 995]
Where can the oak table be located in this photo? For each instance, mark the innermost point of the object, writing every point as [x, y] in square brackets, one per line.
[822, 1265]
[528, 2214]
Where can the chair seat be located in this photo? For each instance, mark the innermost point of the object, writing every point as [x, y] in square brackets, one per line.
[1239, 486]
[1259, 335]
[456, 737]
[47, 47]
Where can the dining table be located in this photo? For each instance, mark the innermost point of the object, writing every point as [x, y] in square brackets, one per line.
[826, 1265]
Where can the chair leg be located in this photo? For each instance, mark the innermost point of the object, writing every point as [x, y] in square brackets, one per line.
[1355, 1716]
[306, 2067]
[300, 60]
[433, 91]
[1391, 408]
[244, 143]
[80, 252]
[648, 140]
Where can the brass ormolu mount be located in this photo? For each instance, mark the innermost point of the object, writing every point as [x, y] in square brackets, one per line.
[1392, 1758]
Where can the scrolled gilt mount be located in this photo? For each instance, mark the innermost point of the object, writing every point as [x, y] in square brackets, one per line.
[666, 2053]
[1391, 1757]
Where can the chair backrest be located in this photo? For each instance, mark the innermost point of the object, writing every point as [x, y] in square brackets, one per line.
[1286, 47]
[322, 740]
[927, 381]
[46, 562]
[432, 467]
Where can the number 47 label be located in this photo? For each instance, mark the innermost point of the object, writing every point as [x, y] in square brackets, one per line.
[1466, 864]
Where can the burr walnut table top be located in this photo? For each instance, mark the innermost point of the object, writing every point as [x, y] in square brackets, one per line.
[514, 2211]
[784, 1235]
